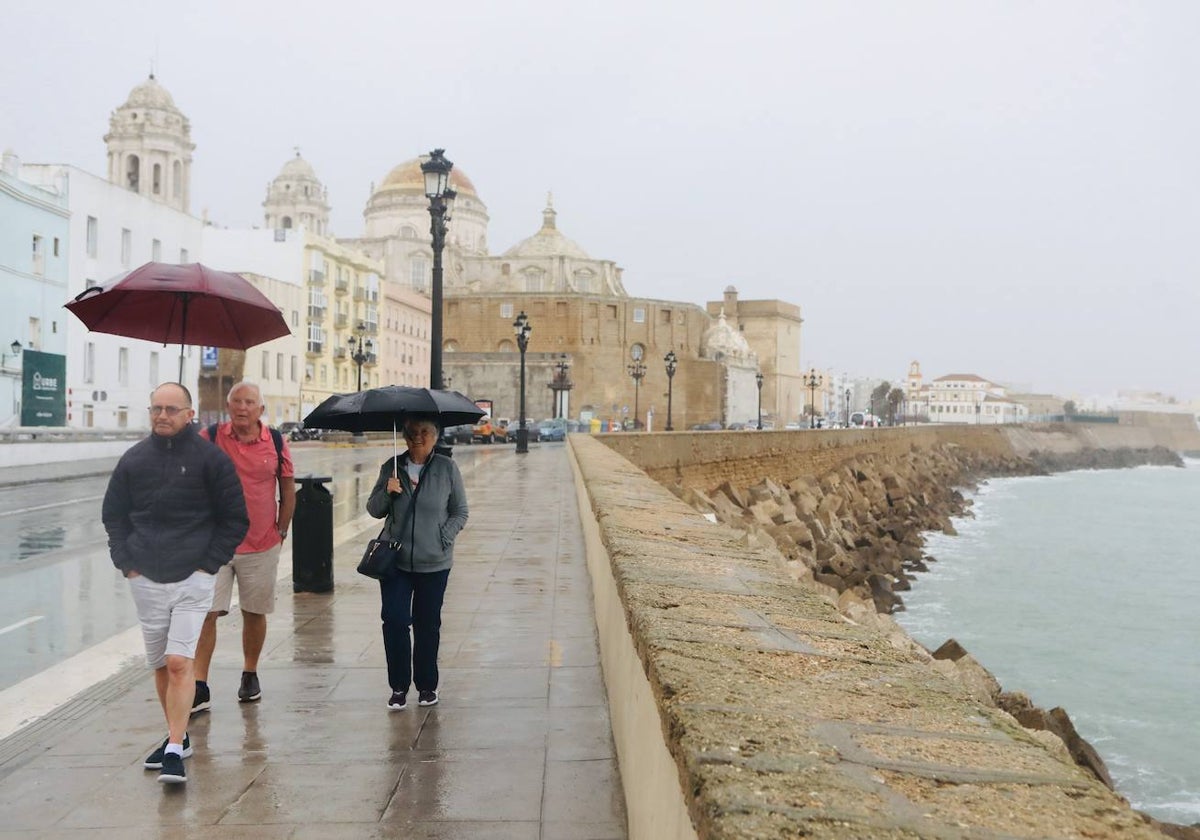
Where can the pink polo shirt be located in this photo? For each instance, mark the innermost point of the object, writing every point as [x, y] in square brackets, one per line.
[255, 463]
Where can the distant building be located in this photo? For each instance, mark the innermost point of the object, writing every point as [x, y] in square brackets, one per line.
[34, 240]
[961, 398]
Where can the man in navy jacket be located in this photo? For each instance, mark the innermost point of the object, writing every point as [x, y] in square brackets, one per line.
[174, 514]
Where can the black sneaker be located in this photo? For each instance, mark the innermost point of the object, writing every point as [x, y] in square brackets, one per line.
[172, 770]
[250, 691]
[427, 698]
[201, 700]
[398, 703]
[154, 761]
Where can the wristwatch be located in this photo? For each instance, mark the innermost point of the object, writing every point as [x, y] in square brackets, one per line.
[282, 534]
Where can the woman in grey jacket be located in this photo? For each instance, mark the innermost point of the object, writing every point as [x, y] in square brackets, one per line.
[422, 496]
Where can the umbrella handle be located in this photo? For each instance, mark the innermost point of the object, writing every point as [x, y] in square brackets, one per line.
[89, 290]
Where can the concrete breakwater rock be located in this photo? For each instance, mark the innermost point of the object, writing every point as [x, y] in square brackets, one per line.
[856, 534]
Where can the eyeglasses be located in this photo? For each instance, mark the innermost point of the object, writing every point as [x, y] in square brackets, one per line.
[169, 410]
[418, 433]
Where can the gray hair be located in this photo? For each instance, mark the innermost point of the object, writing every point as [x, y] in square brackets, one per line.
[245, 383]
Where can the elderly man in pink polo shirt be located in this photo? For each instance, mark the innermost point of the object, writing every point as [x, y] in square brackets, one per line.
[264, 465]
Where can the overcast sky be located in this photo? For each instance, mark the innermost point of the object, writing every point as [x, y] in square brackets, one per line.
[1005, 188]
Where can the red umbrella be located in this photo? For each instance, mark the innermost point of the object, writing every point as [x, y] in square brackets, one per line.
[189, 304]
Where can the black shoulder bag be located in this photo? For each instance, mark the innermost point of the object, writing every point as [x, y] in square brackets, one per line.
[382, 557]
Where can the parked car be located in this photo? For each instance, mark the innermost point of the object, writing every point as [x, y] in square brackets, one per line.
[484, 431]
[552, 430]
[452, 435]
[531, 429]
[295, 431]
[711, 426]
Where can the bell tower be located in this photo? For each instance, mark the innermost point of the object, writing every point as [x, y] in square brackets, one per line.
[296, 198]
[150, 146]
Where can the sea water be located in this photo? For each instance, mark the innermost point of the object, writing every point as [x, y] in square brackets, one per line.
[1082, 590]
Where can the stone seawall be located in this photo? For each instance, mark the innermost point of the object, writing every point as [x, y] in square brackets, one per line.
[779, 714]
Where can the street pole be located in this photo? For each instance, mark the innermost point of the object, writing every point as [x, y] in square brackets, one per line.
[441, 200]
[522, 329]
[758, 378]
[671, 363]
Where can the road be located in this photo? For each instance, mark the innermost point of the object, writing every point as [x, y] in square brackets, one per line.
[59, 592]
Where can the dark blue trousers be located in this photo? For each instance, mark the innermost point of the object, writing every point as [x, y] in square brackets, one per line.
[413, 598]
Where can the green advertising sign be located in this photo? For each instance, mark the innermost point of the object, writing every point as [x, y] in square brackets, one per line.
[43, 389]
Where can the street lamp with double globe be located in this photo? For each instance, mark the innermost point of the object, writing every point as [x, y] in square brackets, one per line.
[812, 381]
[362, 349]
[441, 204]
[758, 378]
[522, 329]
[671, 363]
[637, 370]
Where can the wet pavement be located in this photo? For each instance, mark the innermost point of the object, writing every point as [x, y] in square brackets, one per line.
[519, 748]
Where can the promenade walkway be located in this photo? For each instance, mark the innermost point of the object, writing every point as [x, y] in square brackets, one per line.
[520, 747]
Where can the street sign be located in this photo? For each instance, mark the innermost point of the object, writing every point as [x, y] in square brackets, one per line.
[43, 389]
[208, 358]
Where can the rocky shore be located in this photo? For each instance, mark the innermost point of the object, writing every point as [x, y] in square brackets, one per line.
[856, 534]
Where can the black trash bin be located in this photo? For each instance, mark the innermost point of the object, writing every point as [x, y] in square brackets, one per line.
[312, 535]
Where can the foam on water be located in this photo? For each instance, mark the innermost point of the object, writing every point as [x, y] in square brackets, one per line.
[1078, 589]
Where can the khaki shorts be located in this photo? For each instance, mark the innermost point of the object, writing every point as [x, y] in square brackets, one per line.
[171, 614]
[255, 573]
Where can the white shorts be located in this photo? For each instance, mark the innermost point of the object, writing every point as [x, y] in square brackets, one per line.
[255, 573]
[171, 614]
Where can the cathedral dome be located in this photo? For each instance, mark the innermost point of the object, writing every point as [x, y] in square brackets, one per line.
[298, 167]
[723, 339]
[547, 242]
[408, 176]
[150, 94]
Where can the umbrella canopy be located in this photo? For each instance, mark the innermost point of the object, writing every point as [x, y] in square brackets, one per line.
[188, 304]
[384, 409]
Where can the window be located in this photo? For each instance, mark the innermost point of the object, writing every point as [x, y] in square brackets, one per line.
[154, 369]
[295, 317]
[155, 250]
[506, 310]
[266, 364]
[122, 417]
[417, 269]
[126, 246]
[664, 316]
[279, 366]
[176, 179]
[183, 255]
[89, 362]
[612, 310]
[294, 369]
[157, 179]
[123, 365]
[39, 255]
[56, 246]
[639, 315]
[92, 235]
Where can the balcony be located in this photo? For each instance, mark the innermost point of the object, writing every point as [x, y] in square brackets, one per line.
[341, 286]
[316, 278]
[316, 312]
[340, 353]
[341, 320]
[315, 348]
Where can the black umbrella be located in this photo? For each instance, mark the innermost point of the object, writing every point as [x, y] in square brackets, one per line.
[381, 409]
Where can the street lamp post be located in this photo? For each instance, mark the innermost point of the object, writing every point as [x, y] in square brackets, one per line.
[758, 378]
[847, 418]
[361, 349]
[441, 202]
[14, 350]
[522, 329]
[561, 386]
[671, 363]
[812, 381]
[637, 370]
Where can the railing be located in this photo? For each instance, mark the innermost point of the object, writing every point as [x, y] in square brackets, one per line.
[315, 348]
[339, 352]
[341, 286]
[316, 278]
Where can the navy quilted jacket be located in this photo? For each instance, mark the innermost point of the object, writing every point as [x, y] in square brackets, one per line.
[174, 505]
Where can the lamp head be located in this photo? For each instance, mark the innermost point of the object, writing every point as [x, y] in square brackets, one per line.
[436, 170]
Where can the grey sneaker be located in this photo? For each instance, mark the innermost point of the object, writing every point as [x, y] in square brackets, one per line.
[250, 691]
[172, 772]
[154, 761]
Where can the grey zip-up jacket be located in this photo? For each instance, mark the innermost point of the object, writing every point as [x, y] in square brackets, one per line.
[426, 520]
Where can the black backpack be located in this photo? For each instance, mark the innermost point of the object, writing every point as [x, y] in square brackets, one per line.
[276, 437]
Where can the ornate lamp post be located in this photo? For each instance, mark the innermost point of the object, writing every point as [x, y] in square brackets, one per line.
[441, 203]
[812, 381]
[362, 349]
[758, 377]
[671, 363]
[637, 370]
[560, 386]
[14, 351]
[522, 329]
[847, 419]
